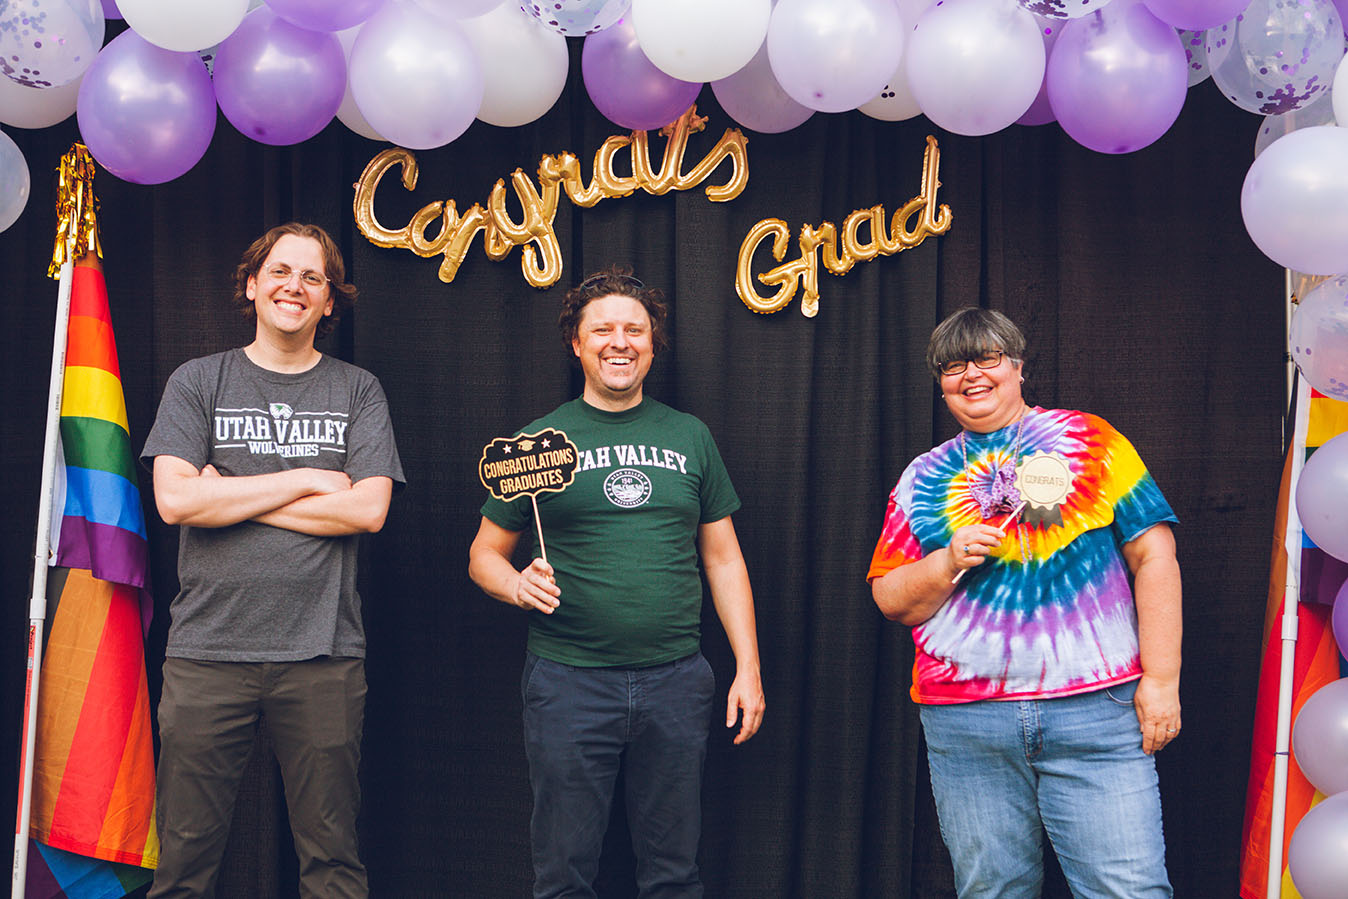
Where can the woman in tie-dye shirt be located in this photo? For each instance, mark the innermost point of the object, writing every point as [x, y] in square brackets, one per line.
[1033, 557]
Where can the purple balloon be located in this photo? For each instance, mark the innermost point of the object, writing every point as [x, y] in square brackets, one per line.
[1322, 497]
[146, 114]
[626, 86]
[110, 10]
[1196, 15]
[324, 15]
[1317, 857]
[1117, 78]
[754, 99]
[276, 82]
[1340, 619]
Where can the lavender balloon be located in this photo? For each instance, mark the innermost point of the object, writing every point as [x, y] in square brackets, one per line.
[415, 77]
[110, 10]
[1320, 738]
[626, 86]
[1278, 55]
[276, 82]
[1317, 857]
[1195, 15]
[574, 18]
[834, 55]
[754, 99]
[1322, 497]
[1318, 337]
[147, 114]
[1117, 78]
[325, 15]
[14, 181]
[1295, 201]
[47, 43]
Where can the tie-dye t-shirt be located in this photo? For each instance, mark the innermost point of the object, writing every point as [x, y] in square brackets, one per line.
[1050, 612]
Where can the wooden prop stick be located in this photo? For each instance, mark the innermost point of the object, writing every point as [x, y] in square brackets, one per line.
[542, 547]
[1010, 517]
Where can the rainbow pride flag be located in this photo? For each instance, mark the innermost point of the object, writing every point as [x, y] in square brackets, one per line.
[102, 525]
[93, 778]
[1317, 662]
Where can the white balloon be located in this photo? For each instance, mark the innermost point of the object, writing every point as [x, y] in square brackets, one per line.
[975, 66]
[1339, 92]
[1295, 201]
[349, 113]
[183, 24]
[524, 65]
[14, 181]
[29, 107]
[700, 40]
[895, 102]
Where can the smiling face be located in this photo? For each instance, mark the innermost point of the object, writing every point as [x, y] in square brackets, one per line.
[984, 400]
[615, 348]
[290, 309]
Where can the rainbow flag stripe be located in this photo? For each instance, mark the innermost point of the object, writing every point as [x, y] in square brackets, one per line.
[102, 524]
[1317, 662]
[53, 874]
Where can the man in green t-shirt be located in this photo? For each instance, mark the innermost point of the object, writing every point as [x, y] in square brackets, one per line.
[613, 674]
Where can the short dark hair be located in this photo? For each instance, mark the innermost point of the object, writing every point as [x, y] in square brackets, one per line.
[343, 294]
[616, 279]
[968, 332]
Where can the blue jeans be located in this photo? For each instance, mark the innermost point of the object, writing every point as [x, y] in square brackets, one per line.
[580, 724]
[1004, 773]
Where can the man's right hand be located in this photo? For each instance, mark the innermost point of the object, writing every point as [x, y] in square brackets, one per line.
[537, 588]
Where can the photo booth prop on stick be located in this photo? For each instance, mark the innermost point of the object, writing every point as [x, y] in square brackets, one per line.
[527, 465]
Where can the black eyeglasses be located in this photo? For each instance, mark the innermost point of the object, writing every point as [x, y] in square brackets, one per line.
[594, 280]
[986, 360]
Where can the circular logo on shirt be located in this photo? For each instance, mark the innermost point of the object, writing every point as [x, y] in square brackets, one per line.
[627, 488]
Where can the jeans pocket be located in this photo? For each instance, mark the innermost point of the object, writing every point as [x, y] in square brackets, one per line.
[1121, 694]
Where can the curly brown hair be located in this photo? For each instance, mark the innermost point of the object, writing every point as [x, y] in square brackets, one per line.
[343, 294]
[615, 279]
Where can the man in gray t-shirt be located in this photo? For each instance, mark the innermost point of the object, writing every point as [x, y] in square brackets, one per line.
[274, 458]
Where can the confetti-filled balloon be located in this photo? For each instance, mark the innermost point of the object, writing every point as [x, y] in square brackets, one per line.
[1318, 338]
[30, 107]
[1062, 9]
[1295, 201]
[1278, 55]
[1041, 110]
[574, 18]
[14, 181]
[754, 99]
[1319, 112]
[47, 43]
[1195, 56]
[147, 114]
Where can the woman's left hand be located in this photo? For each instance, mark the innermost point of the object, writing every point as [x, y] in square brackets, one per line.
[1158, 712]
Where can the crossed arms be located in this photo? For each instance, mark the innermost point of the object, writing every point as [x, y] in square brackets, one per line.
[310, 501]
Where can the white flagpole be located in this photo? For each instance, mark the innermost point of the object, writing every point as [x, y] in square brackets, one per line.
[37, 605]
[1290, 620]
[76, 234]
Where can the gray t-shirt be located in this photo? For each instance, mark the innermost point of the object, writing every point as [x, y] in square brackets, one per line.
[251, 592]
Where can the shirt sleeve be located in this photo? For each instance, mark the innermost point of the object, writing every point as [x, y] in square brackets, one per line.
[1138, 503]
[182, 425]
[370, 447]
[897, 544]
[718, 495]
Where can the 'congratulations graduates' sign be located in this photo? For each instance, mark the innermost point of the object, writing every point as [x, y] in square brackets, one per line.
[528, 465]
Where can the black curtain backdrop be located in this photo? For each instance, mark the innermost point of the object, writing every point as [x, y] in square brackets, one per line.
[1143, 301]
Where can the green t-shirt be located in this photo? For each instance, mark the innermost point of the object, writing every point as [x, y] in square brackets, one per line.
[622, 537]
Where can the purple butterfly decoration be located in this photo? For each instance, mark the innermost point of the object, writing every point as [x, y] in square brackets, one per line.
[1000, 495]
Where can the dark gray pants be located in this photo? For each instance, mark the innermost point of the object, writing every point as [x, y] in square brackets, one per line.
[208, 716]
